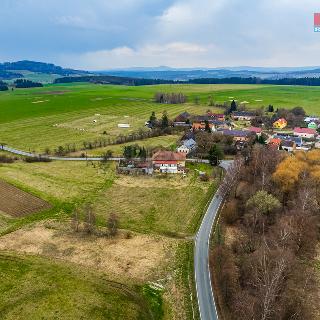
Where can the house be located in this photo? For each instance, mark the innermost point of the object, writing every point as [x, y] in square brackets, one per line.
[243, 115]
[169, 162]
[182, 117]
[181, 124]
[188, 135]
[312, 125]
[201, 126]
[288, 145]
[187, 146]
[305, 132]
[217, 116]
[255, 130]
[311, 119]
[280, 123]
[134, 167]
[238, 135]
[276, 142]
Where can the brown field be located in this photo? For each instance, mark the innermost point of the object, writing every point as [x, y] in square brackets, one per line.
[17, 203]
[140, 258]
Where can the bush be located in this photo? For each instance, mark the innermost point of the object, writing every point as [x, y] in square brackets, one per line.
[37, 159]
[6, 159]
[204, 177]
[230, 213]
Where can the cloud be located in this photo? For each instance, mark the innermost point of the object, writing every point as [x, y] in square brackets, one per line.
[102, 34]
[169, 54]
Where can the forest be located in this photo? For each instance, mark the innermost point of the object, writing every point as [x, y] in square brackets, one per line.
[263, 252]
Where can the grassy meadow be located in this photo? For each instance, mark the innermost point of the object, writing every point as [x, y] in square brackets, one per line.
[34, 288]
[39, 118]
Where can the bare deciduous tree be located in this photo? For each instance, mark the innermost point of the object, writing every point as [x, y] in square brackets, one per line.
[231, 178]
[112, 224]
[89, 219]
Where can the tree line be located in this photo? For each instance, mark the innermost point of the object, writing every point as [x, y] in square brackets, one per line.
[131, 81]
[3, 86]
[23, 83]
[170, 98]
[263, 253]
[63, 150]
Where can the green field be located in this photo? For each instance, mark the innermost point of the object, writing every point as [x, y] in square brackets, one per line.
[39, 118]
[34, 288]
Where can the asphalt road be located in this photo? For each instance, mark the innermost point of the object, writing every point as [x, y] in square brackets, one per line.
[29, 154]
[207, 307]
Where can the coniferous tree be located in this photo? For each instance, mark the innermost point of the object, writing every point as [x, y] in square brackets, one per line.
[165, 120]
[233, 106]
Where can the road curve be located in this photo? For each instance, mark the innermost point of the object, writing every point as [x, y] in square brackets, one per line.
[206, 303]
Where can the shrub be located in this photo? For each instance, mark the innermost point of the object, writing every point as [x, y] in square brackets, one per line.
[37, 159]
[6, 159]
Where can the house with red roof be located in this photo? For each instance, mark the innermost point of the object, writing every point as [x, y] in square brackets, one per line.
[169, 162]
[305, 132]
[255, 130]
[275, 142]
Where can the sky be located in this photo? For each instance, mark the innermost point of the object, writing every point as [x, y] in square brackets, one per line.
[107, 34]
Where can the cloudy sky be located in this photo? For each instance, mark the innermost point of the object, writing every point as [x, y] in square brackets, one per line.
[104, 34]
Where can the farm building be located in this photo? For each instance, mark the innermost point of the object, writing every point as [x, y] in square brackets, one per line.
[169, 162]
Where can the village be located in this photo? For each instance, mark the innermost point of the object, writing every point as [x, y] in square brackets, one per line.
[215, 136]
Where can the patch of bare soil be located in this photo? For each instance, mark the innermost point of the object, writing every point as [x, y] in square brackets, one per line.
[140, 258]
[17, 203]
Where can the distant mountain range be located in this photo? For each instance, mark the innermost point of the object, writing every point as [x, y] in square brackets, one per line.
[48, 72]
[183, 74]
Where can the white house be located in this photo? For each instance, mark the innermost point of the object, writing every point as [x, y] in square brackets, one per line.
[305, 132]
[187, 146]
[311, 119]
[183, 149]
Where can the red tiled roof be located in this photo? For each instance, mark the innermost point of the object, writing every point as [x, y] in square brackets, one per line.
[255, 129]
[304, 130]
[275, 141]
[165, 161]
[168, 156]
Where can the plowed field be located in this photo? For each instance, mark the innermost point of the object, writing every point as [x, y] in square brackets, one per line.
[18, 203]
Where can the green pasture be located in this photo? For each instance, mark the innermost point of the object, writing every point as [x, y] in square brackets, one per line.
[39, 118]
[35, 288]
